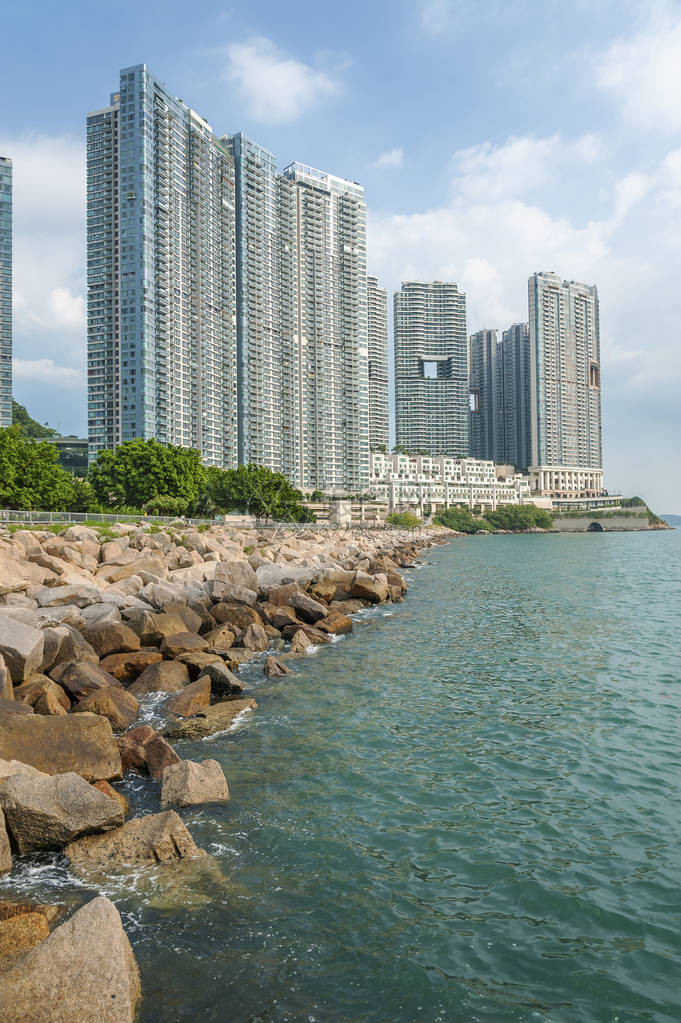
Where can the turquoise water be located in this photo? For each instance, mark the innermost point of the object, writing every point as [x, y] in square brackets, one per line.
[470, 809]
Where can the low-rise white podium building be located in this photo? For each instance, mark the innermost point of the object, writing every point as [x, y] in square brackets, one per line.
[429, 483]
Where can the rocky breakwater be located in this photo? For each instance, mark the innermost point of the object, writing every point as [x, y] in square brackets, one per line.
[91, 626]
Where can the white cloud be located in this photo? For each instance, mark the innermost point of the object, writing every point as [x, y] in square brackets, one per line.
[643, 71]
[274, 87]
[519, 165]
[46, 371]
[390, 158]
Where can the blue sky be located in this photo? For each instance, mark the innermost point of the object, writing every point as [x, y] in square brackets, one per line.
[493, 139]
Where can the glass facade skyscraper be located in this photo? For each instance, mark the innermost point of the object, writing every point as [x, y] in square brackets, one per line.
[227, 304]
[5, 291]
[431, 369]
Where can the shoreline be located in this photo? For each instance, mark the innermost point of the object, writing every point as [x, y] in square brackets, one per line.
[90, 625]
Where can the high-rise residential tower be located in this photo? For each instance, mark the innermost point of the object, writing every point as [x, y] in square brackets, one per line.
[484, 386]
[259, 340]
[227, 304]
[565, 385]
[162, 357]
[329, 300]
[431, 368]
[5, 291]
[377, 314]
[514, 436]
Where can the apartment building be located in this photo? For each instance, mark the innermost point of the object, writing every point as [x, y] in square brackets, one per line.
[377, 329]
[485, 397]
[161, 274]
[565, 386]
[513, 410]
[431, 368]
[227, 304]
[430, 484]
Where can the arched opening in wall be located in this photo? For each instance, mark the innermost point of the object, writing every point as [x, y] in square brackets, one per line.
[594, 527]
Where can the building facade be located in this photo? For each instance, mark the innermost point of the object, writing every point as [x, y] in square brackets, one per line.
[5, 291]
[430, 484]
[227, 304]
[161, 275]
[484, 383]
[513, 427]
[377, 320]
[431, 369]
[565, 385]
[329, 303]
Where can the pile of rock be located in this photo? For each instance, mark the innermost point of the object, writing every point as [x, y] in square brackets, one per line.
[89, 627]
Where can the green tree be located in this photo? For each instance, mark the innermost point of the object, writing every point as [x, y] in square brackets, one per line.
[82, 497]
[141, 470]
[256, 490]
[519, 517]
[461, 519]
[30, 474]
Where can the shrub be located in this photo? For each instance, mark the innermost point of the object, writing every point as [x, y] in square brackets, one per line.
[405, 520]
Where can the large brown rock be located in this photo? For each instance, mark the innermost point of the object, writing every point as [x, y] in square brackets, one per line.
[72, 647]
[38, 686]
[10, 908]
[112, 638]
[118, 706]
[315, 635]
[211, 720]
[49, 703]
[307, 608]
[143, 749]
[182, 643]
[280, 596]
[19, 934]
[254, 637]
[152, 628]
[81, 678]
[5, 850]
[280, 617]
[164, 677]
[192, 784]
[47, 812]
[155, 838]
[192, 699]
[129, 665]
[367, 587]
[223, 682]
[299, 642]
[237, 615]
[274, 668]
[21, 647]
[220, 639]
[83, 743]
[237, 574]
[335, 624]
[85, 970]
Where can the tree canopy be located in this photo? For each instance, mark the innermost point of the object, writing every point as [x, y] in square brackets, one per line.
[256, 490]
[139, 471]
[31, 476]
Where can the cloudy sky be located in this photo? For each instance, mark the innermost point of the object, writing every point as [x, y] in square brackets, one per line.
[493, 137]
